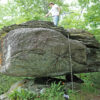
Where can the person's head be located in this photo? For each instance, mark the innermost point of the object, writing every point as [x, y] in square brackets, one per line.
[51, 4]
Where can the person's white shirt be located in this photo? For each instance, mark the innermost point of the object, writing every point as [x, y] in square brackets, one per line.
[54, 10]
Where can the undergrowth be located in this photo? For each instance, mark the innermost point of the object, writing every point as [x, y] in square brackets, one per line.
[55, 92]
[6, 82]
[88, 89]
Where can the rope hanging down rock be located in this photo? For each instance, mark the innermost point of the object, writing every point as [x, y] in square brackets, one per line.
[70, 62]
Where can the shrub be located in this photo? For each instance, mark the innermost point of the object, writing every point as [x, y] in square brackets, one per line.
[21, 94]
[55, 92]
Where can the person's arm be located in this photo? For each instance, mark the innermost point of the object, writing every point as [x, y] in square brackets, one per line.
[47, 14]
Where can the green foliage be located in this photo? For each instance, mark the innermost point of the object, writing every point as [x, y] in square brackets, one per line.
[89, 84]
[55, 92]
[21, 94]
[18, 11]
[95, 79]
[92, 15]
[6, 82]
[73, 21]
[96, 33]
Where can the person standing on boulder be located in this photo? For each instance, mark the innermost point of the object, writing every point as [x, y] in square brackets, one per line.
[55, 12]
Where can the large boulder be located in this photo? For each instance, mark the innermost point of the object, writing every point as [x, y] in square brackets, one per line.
[39, 52]
[39, 49]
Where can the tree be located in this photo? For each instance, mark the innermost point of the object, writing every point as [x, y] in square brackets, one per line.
[92, 15]
[19, 11]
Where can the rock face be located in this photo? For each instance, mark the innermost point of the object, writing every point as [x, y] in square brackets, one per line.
[38, 49]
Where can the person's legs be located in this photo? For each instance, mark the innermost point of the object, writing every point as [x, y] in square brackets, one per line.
[55, 20]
